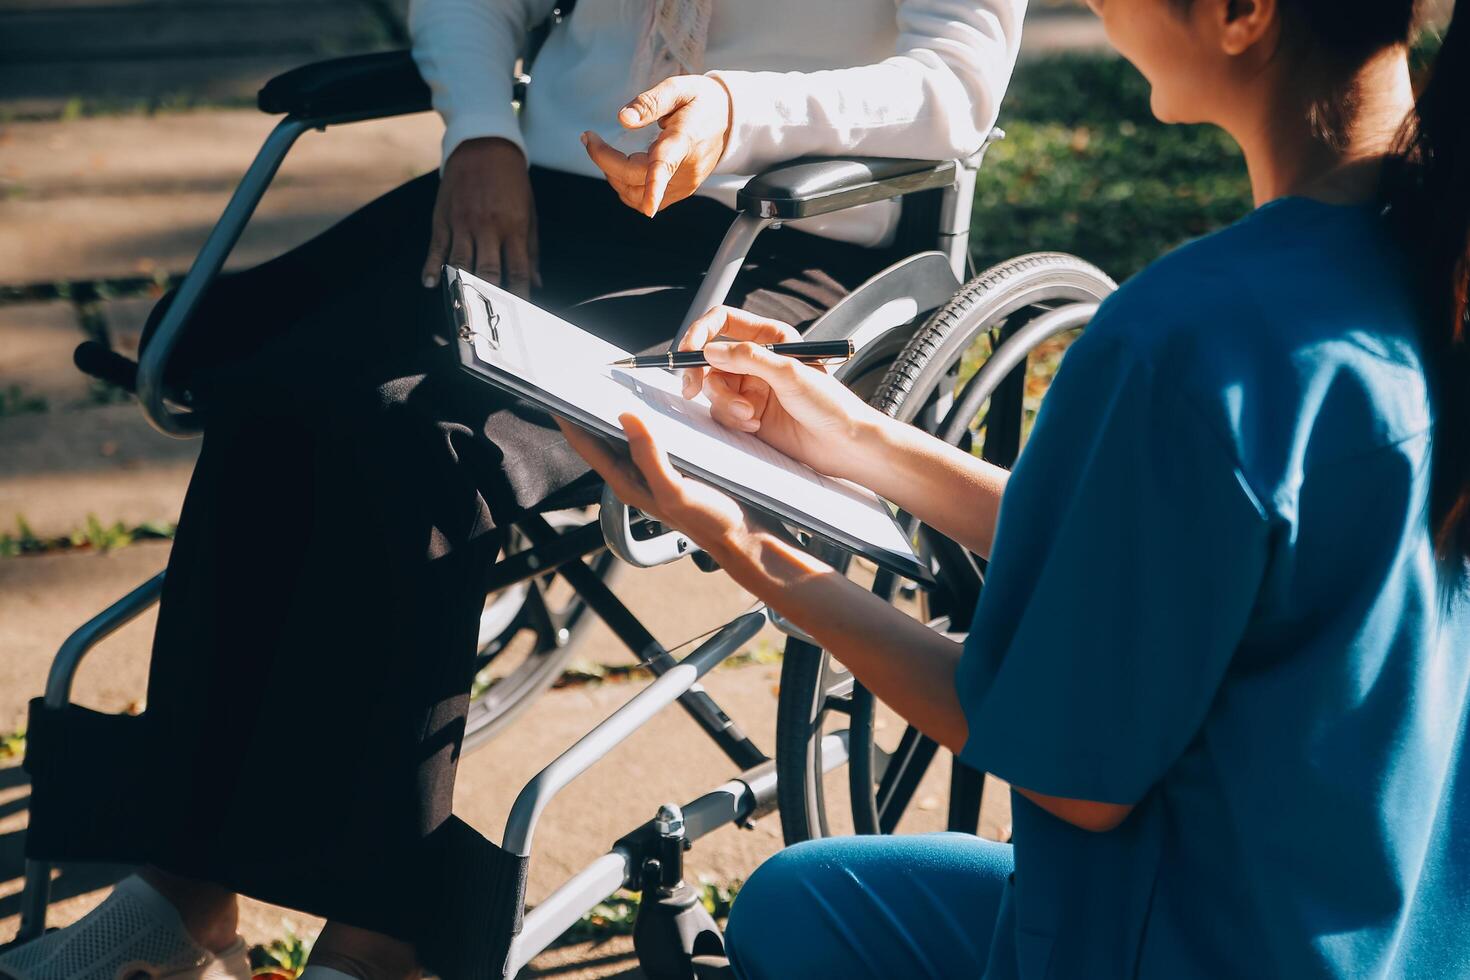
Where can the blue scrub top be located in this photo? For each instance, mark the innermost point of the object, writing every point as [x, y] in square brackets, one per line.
[1213, 594]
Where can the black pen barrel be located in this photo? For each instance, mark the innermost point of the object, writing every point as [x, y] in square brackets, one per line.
[805, 351]
[814, 348]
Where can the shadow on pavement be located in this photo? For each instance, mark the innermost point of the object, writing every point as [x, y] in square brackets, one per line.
[591, 963]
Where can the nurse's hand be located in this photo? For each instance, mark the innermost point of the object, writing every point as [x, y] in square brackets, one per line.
[694, 113]
[642, 477]
[801, 410]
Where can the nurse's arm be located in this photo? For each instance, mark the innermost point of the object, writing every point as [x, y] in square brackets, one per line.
[944, 486]
[1087, 814]
[911, 667]
[908, 665]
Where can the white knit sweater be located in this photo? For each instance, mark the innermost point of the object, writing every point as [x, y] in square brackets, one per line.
[901, 78]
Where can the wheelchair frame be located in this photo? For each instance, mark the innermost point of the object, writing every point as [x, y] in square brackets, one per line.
[879, 316]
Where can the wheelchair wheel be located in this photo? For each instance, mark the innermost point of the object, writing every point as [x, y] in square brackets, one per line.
[528, 633]
[968, 376]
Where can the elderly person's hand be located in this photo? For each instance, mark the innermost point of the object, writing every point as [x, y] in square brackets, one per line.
[485, 217]
[694, 113]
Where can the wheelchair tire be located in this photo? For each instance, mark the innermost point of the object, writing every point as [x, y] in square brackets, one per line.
[998, 304]
[546, 626]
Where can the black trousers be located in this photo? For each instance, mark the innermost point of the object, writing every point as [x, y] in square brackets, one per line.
[317, 630]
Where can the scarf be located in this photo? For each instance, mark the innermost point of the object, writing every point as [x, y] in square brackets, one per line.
[673, 41]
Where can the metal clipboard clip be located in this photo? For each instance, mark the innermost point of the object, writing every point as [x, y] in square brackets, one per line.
[492, 318]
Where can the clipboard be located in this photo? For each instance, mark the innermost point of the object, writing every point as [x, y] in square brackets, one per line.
[509, 342]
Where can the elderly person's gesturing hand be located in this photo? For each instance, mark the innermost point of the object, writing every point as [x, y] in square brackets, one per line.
[694, 113]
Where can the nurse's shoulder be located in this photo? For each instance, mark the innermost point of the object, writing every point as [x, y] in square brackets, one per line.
[1202, 300]
[1293, 331]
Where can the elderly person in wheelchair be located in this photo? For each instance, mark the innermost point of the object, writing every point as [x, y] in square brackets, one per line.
[336, 417]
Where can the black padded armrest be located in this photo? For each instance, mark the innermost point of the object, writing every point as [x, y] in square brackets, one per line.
[105, 364]
[362, 86]
[819, 185]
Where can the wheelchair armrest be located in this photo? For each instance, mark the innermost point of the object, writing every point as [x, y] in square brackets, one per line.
[363, 86]
[103, 363]
[819, 185]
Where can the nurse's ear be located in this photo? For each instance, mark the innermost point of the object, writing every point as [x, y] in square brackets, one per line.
[1243, 27]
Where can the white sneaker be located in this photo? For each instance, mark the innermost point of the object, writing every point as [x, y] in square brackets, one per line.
[136, 933]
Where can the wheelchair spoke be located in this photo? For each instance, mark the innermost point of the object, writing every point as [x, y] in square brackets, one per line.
[819, 791]
[501, 611]
[959, 575]
[841, 705]
[966, 793]
[902, 775]
[881, 759]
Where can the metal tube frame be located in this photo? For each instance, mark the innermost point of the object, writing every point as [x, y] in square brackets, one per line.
[616, 522]
[696, 701]
[36, 892]
[217, 247]
[737, 801]
[520, 826]
[957, 205]
[723, 268]
[153, 393]
[549, 556]
[954, 219]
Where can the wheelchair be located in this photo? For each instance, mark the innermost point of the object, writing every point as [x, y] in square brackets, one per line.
[935, 346]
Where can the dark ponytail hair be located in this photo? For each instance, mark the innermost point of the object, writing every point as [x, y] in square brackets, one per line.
[1427, 191]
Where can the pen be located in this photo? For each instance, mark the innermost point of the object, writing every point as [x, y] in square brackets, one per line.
[808, 352]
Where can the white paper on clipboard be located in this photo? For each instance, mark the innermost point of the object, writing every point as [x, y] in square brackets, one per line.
[517, 345]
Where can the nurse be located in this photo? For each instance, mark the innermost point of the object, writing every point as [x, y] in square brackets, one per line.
[1223, 654]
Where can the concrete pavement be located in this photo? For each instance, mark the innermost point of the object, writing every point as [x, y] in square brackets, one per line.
[67, 54]
[121, 196]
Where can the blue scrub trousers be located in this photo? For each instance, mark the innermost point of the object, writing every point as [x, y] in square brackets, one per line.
[921, 906]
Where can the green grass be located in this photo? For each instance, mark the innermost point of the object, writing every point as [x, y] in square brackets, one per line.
[92, 536]
[12, 746]
[84, 292]
[15, 401]
[281, 959]
[1086, 169]
[616, 916]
